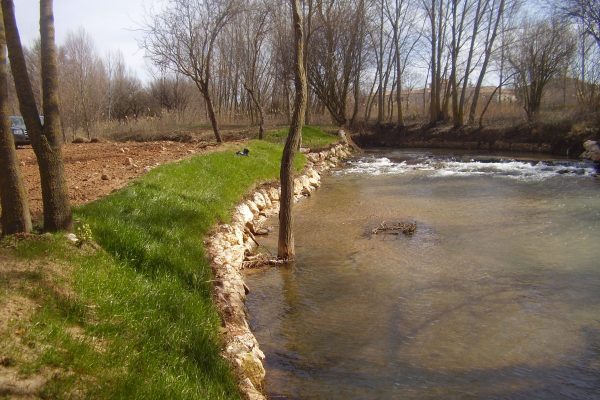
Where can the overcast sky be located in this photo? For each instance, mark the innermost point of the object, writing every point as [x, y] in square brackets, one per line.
[112, 24]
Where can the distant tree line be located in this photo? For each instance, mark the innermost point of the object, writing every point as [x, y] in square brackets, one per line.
[233, 59]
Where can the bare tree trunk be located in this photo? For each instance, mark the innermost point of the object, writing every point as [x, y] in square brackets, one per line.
[400, 117]
[487, 104]
[307, 113]
[454, 58]
[261, 115]
[425, 91]
[44, 139]
[286, 249]
[13, 198]
[433, 102]
[213, 118]
[57, 208]
[371, 99]
[381, 90]
[356, 88]
[359, 67]
[488, 53]
[460, 120]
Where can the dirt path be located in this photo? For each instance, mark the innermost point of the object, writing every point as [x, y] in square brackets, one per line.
[96, 169]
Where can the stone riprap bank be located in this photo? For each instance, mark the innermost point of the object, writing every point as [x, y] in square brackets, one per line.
[229, 246]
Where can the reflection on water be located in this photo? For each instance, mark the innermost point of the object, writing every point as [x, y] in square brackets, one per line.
[496, 296]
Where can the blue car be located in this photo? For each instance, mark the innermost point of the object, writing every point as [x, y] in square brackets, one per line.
[19, 130]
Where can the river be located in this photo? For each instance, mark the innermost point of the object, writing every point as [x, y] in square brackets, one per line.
[495, 296]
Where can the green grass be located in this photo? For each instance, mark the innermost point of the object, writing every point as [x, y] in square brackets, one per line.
[142, 305]
[312, 137]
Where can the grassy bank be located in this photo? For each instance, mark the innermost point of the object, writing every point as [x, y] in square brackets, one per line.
[312, 137]
[133, 318]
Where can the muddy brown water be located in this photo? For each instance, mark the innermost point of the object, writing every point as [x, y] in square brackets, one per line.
[496, 295]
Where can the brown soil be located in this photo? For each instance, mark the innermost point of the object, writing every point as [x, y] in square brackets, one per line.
[97, 169]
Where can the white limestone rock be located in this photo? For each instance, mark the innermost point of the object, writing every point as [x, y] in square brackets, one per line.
[274, 194]
[243, 214]
[297, 186]
[592, 150]
[266, 197]
[259, 200]
[253, 208]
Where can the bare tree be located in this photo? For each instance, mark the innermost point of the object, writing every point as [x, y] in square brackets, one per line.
[436, 12]
[544, 50]
[255, 57]
[169, 92]
[586, 70]
[83, 82]
[45, 138]
[405, 37]
[13, 198]
[285, 246]
[182, 38]
[33, 58]
[127, 97]
[586, 11]
[496, 12]
[333, 51]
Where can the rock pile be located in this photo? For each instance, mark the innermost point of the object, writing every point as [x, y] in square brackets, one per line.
[592, 151]
[228, 247]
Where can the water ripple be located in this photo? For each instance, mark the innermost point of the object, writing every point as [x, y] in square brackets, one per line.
[529, 170]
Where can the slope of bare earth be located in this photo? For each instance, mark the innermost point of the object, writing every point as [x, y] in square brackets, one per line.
[97, 169]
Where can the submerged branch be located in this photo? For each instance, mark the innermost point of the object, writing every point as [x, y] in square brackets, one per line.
[263, 260]
[407, 228]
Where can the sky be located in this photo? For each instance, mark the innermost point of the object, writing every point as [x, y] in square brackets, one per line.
[113, 24]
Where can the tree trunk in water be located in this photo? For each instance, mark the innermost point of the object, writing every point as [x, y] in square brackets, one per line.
[13, 197]
[285, 248]
[45, 140]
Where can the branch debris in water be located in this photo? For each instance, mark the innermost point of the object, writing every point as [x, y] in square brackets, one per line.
[407, 228]
[262, 260]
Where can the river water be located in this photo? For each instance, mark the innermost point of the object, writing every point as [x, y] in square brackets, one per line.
[495, 296]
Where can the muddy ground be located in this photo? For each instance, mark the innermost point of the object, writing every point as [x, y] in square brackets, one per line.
[97, 169]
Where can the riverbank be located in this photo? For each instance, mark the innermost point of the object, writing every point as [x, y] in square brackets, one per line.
[549, 139]
[232, 247]
[128, 311]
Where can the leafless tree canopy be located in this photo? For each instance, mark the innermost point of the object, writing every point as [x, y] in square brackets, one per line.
[545, 49]
[182, 38]
[382, 61]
